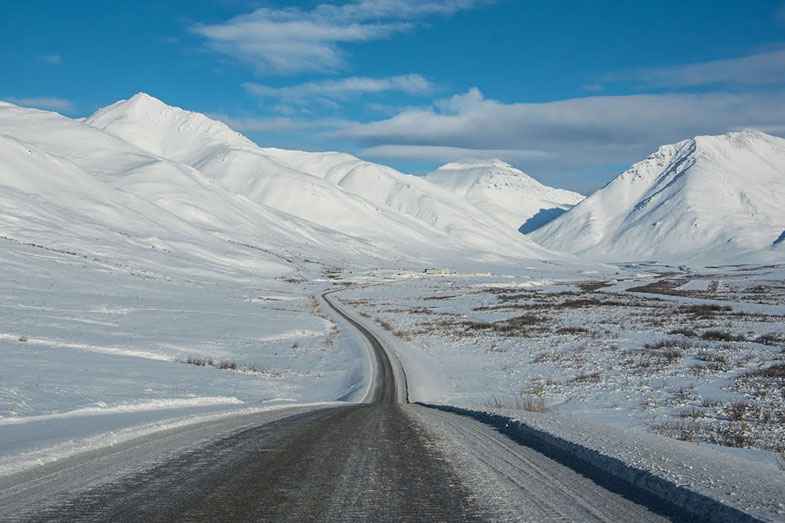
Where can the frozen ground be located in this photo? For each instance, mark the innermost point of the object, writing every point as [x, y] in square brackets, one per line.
[693, 354]
[96, 355]
[90, 350]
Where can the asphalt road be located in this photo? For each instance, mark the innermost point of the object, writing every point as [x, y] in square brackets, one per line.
[383, 460]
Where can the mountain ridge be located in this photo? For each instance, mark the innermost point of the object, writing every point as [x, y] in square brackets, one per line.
[708, 196]
[502, 190]
[72, 186]
[334, 189]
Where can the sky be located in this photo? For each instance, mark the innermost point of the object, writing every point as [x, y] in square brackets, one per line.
[571, 92]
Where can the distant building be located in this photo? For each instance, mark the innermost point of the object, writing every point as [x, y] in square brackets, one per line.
[437, 271]
[480, 274]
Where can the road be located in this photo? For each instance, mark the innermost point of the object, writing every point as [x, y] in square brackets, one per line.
[381, 460]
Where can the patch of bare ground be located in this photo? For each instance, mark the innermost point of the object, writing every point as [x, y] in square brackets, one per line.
[770, 292]
[591, 286]
[662, 286]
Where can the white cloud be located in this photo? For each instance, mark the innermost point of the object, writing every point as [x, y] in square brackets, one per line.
[581, 132]
[596, 87]
[342, 89]
[52, 59]
[779, 14]
[447, 154]
[292, 40]
[45, 102]
[754, 70]
[281, 124]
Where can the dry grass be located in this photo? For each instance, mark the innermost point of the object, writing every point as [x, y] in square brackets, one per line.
[592, 377]
[683, 331]
[591, 286]
[572, 330]
[704, 312]
[769, 339]
[661, 286]
[718, 335]
[693, 413]
[392, 330]
[775, 372]
[589, 302]
[209, 362]
[199, 362]
[526, 402]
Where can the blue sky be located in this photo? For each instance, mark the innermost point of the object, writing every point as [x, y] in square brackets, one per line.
[569, 91]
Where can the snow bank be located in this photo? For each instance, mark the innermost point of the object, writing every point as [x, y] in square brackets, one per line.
[702, 481]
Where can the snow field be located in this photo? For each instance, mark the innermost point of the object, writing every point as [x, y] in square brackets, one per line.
[690, 368]
[87, 348]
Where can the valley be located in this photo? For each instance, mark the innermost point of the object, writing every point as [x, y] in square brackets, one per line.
[163, 275]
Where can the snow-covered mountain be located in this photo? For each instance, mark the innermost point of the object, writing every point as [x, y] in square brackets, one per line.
[157, 186]
[393, 211]
[69, 186]
[711, 198]
[503, 191]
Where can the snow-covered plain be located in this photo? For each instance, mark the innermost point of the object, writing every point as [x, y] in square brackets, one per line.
[89, 348]
[632, 346]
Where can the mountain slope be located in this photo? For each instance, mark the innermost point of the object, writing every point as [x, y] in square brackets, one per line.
[393, 211]
[70, 186]
[711, 197]
[503, 191]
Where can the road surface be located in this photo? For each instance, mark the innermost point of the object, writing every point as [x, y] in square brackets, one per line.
[381, 460]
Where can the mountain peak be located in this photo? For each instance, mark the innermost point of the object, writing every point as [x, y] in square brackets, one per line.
[503, 190]
[478, 164]
[141, 95]
[735, 139]
[165, 130]
[142, 99]
[677, 202]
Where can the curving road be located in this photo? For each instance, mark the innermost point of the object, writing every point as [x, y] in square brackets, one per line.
[382, 460]
[388, 383]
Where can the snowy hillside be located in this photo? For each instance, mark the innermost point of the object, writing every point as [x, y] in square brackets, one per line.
[70, 186]
[393, 211]
[711, 198]
[503, 191]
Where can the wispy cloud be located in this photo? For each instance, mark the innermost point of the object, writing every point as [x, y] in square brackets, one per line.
[51, 59]
[779, 15]
[754, 70]
[281, 124]
[412, 84]
[446, 153]
[292, 40]
[45, 102]
[581, 132]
